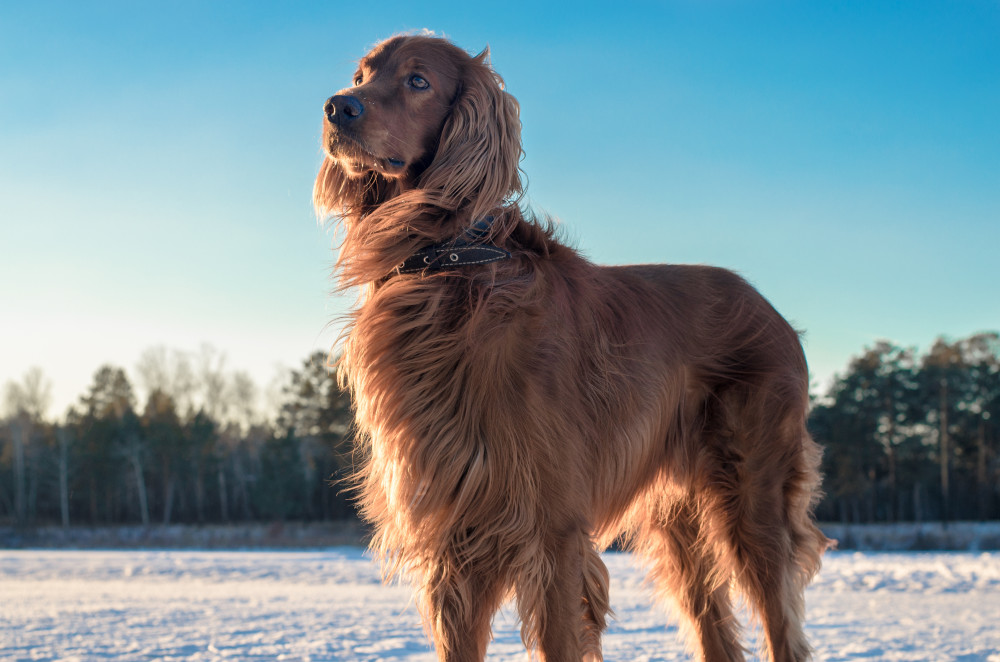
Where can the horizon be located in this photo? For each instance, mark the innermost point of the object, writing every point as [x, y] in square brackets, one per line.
[156, 165]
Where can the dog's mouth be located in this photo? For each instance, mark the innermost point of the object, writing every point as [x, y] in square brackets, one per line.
[358, 165]
[357, 157]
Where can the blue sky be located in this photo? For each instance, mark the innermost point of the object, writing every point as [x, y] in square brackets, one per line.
[156, 163]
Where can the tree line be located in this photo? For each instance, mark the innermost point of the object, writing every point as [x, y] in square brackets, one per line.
[907, 437]
[196, 449]
[912, 437]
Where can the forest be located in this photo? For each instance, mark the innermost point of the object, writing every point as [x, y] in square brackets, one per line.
[908, 436]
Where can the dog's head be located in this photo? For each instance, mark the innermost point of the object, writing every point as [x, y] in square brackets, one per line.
[421, 114]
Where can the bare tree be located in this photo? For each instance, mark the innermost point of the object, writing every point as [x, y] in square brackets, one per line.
[243, 399]
[26, 404]
[213, 382]
[36, 393]
[153, 369]
[168, 372]
[234, 452]
[133, 450]
[64, 436]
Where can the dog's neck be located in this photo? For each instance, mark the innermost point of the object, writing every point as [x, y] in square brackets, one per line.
[469, 248]
[395, 235]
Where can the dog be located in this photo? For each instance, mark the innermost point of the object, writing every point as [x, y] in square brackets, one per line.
[519, 408]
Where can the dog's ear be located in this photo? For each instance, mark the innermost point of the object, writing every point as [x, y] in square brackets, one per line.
[477, 162]
[337, 194]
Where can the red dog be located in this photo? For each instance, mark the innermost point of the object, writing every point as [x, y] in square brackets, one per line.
[521, 407]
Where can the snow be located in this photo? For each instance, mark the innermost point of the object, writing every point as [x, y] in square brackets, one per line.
[331, 605]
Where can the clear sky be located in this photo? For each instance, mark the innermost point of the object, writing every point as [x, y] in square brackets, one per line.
[157, 159]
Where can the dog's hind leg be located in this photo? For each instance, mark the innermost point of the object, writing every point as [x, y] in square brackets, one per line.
[758, 502]
[683, 570]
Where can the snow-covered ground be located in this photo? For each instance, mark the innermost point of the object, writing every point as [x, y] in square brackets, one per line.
[330, 605]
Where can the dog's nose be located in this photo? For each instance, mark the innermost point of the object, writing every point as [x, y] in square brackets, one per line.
[343, 108]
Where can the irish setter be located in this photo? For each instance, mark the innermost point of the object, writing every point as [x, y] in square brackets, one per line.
[520, 408]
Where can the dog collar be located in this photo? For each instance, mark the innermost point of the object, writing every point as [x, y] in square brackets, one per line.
[459, 252]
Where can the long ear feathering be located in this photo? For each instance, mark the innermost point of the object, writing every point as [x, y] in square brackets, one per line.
[477, 164]
[335, 194]
[340, 197]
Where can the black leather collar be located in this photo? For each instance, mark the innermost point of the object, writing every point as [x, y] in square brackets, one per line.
[459, 252]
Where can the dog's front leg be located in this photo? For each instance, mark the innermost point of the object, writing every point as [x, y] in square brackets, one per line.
[563, 607]
[459, 600]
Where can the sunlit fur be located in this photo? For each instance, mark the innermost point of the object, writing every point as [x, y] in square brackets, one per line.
[519, 416]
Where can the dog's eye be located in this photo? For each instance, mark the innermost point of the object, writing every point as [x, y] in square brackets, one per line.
[418, 82]
[358, 80]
